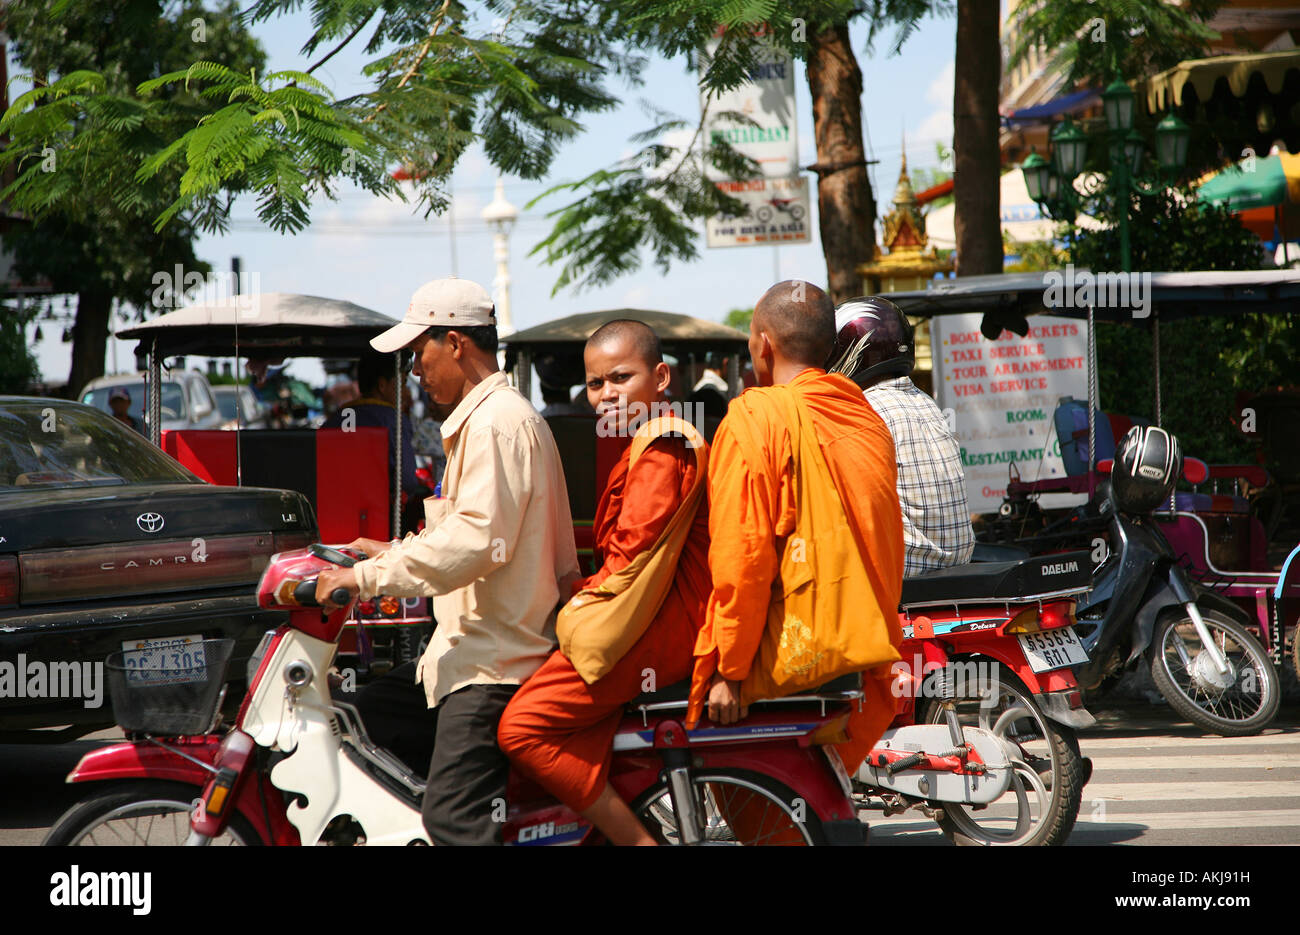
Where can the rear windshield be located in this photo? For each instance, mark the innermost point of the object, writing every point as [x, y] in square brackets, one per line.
[173, 400]
[44, 444]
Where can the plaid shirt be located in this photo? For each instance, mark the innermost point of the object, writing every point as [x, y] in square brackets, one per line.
[931, 486]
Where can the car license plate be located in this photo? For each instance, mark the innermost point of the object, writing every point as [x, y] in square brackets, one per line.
[171, 660]
[1053, 649]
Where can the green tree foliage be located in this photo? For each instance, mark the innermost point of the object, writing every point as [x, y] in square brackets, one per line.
[78, 138]
[517, 76]
[17, 365]
[1099, 40]
[739, 318]
[1205, 361]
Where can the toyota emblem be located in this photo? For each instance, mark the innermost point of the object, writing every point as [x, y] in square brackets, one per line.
[149, 522]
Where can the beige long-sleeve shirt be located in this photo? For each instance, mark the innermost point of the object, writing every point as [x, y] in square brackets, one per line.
[494, 548]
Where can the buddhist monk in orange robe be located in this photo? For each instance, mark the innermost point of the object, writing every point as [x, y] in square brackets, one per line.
[558, 729]
[752, 507]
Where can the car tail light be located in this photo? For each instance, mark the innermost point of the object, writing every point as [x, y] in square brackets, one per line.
[389, 606]
[8, 581]
[257, 664]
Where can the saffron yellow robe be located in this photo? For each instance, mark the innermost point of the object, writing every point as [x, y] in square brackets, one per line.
[752, 509]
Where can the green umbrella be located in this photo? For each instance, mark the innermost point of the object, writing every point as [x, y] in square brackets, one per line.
[1255, 182]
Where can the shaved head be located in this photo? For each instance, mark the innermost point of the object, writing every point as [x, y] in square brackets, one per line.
[799, 320]
[639, 336]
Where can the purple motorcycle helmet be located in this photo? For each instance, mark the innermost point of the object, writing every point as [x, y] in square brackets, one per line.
[873, 339]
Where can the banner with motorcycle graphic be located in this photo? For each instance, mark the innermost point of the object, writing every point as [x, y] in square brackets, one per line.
[778, 200]
[778, 214]
[1000, 397]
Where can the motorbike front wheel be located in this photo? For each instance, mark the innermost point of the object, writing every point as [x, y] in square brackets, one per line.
[740, 808]
[1235, 703]
[140, 813]
[1041, 804]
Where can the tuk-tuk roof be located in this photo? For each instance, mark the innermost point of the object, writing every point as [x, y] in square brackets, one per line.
[1172, 295]
[677, 333]
[272, 324]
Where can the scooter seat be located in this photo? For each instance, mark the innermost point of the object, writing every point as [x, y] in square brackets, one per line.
[1000, 581]
[680, 692]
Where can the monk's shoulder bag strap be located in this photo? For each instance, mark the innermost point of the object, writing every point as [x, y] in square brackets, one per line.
[599, 625]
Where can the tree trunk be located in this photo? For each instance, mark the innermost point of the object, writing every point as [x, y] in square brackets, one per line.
[844, 200]
[89, 340]
[976, 159]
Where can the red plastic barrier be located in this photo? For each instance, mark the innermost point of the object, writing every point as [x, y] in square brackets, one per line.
[344, 474]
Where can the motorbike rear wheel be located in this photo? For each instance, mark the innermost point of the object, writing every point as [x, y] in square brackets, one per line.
[741, 808]
[1242, 702]
[1041, 805]
[140, 813]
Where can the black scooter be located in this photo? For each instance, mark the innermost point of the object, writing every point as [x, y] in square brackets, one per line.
[1204, 661]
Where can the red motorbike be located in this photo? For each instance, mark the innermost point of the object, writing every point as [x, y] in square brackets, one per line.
[297, 767]
[987, 656]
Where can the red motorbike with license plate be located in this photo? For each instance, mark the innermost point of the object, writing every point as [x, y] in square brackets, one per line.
[987, 663]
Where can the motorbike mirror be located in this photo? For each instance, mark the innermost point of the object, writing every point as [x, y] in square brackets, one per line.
[1195, 471]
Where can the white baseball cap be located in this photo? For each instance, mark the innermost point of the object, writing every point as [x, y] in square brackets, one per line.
[448, 302]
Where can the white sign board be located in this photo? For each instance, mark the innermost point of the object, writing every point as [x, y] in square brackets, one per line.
[1002, 395]
[768, 100]
[778, 214]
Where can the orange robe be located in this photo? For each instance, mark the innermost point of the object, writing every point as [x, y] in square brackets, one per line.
[752, 509]
[558, 729]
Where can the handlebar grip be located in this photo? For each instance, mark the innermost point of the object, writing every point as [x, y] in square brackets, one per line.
[305, 593]
[341, 597]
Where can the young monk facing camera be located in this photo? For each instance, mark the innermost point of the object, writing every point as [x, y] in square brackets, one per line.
[558, 729]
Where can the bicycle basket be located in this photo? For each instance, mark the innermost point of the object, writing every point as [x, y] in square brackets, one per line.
[172, 689]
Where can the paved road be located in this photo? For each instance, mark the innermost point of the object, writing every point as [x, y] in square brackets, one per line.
[1159, 780]
[1156, 780]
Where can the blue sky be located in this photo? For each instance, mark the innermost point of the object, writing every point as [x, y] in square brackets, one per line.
[376, 252]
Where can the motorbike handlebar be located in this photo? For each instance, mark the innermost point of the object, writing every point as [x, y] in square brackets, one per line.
[305, 594]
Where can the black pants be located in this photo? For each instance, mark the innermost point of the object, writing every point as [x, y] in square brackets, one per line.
[465, 802]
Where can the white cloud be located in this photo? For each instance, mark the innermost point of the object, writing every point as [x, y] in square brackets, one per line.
[940, 89]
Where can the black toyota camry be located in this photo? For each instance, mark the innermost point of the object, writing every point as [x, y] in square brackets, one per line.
[107, 544]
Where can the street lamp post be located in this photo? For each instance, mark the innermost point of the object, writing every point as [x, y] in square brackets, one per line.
[1052, 184]
[500, 216]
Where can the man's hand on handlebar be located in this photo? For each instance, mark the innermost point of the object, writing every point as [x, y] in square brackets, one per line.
[371, 547]
[332, 578]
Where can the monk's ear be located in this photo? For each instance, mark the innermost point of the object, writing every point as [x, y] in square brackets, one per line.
[663, 376]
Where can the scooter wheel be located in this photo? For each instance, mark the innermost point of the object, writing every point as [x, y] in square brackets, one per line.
[1042, 804]
[740, 808]
[140, 813]
[1237, 703]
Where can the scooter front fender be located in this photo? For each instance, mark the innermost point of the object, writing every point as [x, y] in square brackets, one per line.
[144, 760]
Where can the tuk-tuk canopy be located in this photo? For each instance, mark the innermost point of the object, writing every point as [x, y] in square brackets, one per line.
[267, 325]
[1171, 295]
[678, 334]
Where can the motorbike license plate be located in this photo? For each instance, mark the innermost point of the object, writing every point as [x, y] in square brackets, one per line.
[1053, 649]
[171, 660]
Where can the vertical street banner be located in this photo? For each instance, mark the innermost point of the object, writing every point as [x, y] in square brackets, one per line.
[777, 201]
[1000, 397]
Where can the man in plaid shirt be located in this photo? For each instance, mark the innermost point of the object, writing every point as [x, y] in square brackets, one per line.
[875, 350]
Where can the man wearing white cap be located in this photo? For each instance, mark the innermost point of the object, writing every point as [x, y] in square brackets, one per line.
[496, 549]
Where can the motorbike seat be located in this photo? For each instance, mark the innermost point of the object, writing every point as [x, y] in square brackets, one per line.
[1000, 581]
[679, 692]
